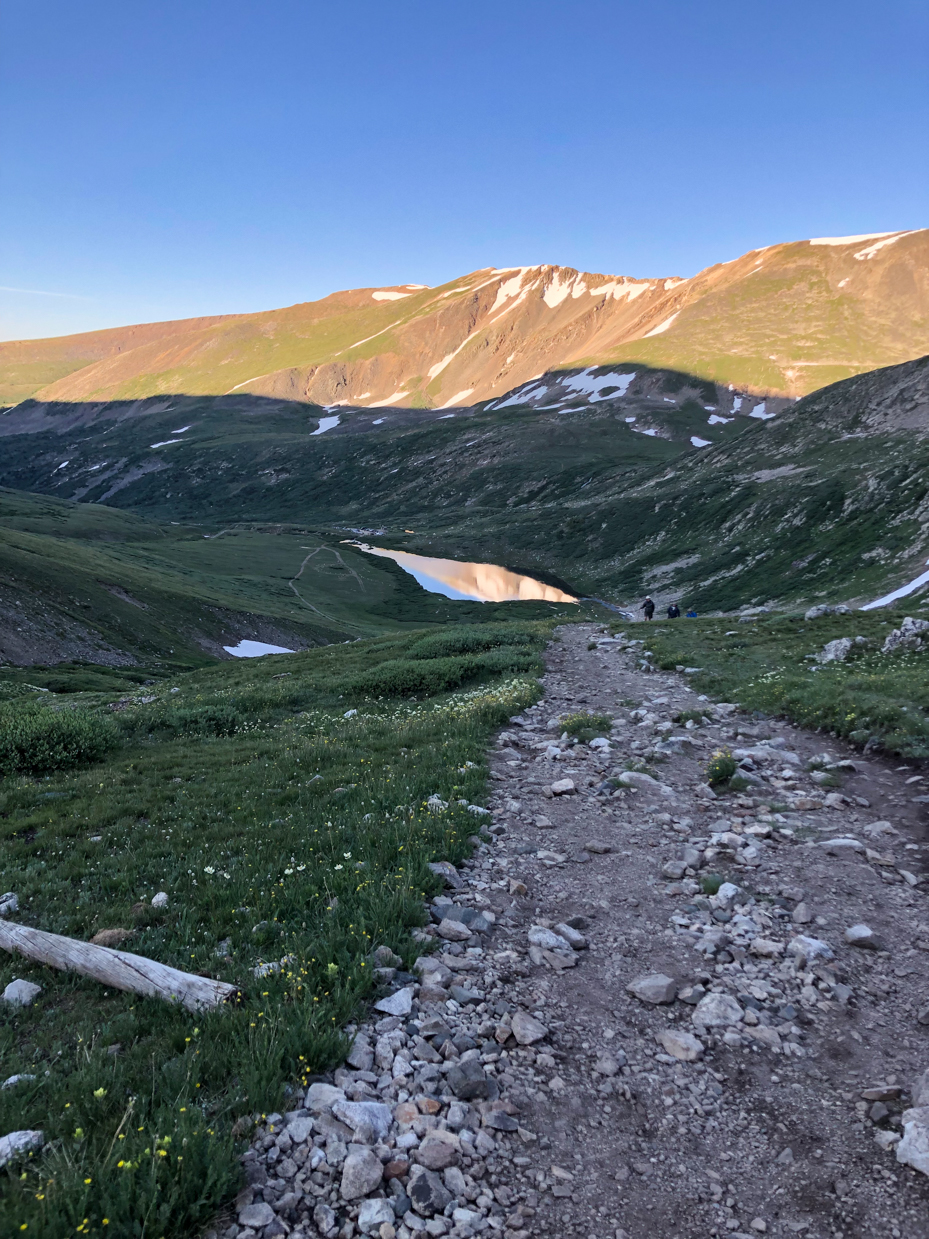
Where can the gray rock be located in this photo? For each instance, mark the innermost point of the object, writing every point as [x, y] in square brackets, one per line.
[356, 1113]
[320, 1097]
[810, 948]
[727, 894]
[324, 1218]
[527, 1029]
[453, 931]
[610, 1064]
[836, 651]
[634, 778]
[160, 900]
[9, 903]
[257, 1215]
[19, 1142]
[680, 1044]
[427, 1192]
[573, 937]
[447, 871]
[692, 857]
[913, 1149]
[563, 787]
[674, 870]
[717, 1011]
[801, 914]
[373, 1214]
[469, 1082]
[653, 988]
[299, 1129]
[863, 936]
[464, 996]
[19, 1078]
[438, 1151]
[909, 636]
[547, 939]
[840, 845]
[21, 993]
[400, 1002]
[361, 1174]
[361, 1056]
[920, 1090]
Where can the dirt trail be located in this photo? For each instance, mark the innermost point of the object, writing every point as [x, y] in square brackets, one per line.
[755, 1085]
[749, 1139]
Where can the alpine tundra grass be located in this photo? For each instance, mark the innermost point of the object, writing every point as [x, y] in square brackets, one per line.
[281, 805]
[768, 664]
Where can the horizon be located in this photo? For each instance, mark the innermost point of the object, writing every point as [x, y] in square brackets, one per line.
[268, 158]
[853, 238]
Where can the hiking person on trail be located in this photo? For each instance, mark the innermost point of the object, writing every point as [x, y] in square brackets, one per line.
[648, 607]
[691, 614]
[674, 611]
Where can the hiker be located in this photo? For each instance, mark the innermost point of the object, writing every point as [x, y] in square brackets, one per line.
[674, 611]
[691, 614]
[648, 607]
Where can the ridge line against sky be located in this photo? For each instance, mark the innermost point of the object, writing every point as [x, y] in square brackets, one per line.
[208, 158]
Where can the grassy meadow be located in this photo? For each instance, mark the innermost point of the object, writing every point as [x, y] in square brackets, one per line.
[291, 835]
[764, 665]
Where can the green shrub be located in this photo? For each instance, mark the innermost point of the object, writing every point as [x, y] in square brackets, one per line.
[405, 676]
[710, 883]
[212, 720]
[472, 639]
[39, 740]
[586, 726]
[721, 766]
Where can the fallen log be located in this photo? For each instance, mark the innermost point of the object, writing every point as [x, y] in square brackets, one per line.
[117, 969]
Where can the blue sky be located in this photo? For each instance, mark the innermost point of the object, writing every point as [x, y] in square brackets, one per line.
[172, 159]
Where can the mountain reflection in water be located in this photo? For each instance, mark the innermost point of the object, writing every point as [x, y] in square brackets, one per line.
[480, 582]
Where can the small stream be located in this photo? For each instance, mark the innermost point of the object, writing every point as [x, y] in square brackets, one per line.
[470, 582]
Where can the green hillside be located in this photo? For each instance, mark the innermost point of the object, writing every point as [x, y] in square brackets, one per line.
[101, 597]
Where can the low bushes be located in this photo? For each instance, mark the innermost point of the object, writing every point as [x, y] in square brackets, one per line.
[472, 639]
[587, 726]
[36, 739]
[399, 677]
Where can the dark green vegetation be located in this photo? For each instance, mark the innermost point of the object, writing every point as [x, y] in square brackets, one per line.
[285, 833]
[40, 740]
[586, 726]
[874, 698]
[828, 499]
[85, 585]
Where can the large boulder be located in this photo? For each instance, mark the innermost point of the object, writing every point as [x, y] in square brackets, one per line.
[836, 651]
[909, 636]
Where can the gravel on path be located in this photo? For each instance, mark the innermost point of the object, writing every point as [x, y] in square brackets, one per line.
[645, 1011]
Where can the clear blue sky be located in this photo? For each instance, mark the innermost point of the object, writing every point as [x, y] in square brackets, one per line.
[160, 160]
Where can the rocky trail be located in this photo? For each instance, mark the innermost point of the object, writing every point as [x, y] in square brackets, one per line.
[602, 1046]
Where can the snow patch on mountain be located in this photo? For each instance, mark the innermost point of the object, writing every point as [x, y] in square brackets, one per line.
[588, 384]
[856, 240]
[760, 411]
[557, 290]
[458, 398]
[386, 294]
[871, 250]
[662, 327]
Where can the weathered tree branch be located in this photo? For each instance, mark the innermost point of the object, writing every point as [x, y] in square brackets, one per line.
[118, 969]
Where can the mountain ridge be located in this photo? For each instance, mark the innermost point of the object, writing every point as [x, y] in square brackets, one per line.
[781, 320]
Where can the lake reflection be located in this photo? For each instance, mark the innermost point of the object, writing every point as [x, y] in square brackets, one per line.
[472, 582]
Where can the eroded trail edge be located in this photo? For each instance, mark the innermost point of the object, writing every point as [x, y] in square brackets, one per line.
[602, 1046]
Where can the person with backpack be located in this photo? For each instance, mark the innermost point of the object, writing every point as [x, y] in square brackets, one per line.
[674, 611]
[648, 607]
